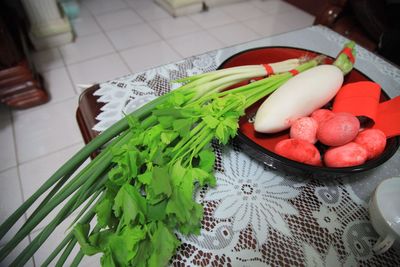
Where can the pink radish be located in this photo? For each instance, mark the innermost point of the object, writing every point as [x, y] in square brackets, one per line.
[338, 130]
[350, 154]
[373, 140]
[299, 150]
[305, 129]
[321, 115]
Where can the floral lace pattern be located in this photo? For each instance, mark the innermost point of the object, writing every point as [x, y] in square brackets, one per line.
[256, 216]
[252, 197]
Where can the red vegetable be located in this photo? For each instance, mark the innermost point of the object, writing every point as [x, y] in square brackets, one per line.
[338, 130]
[299, 150]
[350, 154]
[305, 129]
[321, 115]
[373, 140]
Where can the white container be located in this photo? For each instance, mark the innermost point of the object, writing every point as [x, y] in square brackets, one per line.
[384, 210]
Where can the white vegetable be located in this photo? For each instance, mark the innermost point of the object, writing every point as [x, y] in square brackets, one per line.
[298, 97]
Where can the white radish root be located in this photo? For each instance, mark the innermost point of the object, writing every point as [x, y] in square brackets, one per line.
[298, 97]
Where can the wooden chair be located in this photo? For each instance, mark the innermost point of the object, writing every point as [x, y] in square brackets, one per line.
[20, 85]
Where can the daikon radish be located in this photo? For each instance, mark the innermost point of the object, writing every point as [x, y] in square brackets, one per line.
[298, 97]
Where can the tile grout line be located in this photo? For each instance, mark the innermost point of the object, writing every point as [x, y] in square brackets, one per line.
[145, 22]
[50, 104]
[69, 75]
[152, 27]
[15, 142]
[215, 9]
[25, 216]
[199, 53]
[86, 59]
[51, 153]
[17, 160]
[76, 93]
[250, 30]
[123, 27]
[141, 16]
[9, 168]
[165, 40]
[104, 32]
[202, 29]
[112, 11]
[124, 62]
[91, 58]
[107, 12]
[102, 13]
[39, 69]
[179, 35]
[129, 25]
[175, 50]
[112, 44]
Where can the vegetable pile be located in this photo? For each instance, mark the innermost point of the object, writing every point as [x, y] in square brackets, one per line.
[297, 106]
[140, 187]
[340, 132]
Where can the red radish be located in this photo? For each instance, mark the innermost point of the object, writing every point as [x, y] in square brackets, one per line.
[299, 150]
[350, 154]
[305, 129]
[321, 115]
[373, 140]
[338, 130]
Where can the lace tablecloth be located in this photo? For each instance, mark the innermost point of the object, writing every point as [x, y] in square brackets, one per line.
[258, 217]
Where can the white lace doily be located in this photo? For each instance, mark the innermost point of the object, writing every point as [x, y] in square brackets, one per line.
[258, 217]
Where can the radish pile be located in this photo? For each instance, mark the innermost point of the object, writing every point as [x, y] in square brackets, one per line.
[347, 145]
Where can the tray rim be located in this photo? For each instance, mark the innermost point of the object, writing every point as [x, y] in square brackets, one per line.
[394, 142]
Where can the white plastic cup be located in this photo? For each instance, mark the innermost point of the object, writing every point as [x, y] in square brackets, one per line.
[384, 210]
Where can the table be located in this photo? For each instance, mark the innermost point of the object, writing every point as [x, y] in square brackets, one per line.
[256, 216]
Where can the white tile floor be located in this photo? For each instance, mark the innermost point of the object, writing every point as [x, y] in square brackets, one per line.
[114, 38]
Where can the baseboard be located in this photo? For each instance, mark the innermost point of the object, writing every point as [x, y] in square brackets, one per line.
[212, 3]
[180, 11]
[51, 40]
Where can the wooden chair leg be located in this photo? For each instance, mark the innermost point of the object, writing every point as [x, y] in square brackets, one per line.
[21, 88]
